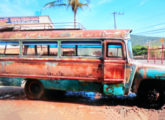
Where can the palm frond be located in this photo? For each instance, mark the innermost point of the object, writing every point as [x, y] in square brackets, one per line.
[76, 4]
[54, 4]
[81, 5]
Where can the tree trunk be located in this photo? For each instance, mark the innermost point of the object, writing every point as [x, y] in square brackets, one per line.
[75, 19]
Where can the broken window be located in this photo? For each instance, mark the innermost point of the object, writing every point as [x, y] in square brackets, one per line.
[40, 48]
[9, 48]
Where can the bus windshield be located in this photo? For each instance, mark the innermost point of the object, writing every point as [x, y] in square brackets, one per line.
[130, 49]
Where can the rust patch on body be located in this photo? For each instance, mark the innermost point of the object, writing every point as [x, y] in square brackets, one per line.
[57, 69]
[64, 34]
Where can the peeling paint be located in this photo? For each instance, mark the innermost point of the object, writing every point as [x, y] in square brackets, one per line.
[114, 89]
[51, 64]
[54, 34]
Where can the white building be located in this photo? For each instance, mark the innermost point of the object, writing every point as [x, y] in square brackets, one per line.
[27, 23]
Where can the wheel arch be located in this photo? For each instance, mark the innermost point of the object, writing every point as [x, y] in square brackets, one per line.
[147, 82]
[34, 89]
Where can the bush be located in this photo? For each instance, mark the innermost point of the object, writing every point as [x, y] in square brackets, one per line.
[139, 50]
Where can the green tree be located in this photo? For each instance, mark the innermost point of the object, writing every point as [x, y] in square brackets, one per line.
[139, 50]
[74, 4]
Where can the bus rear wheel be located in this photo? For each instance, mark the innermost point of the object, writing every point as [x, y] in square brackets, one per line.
[34, 90]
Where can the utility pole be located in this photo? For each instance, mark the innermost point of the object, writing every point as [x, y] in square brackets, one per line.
[114, 16]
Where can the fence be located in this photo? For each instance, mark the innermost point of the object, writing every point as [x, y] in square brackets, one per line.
[156, 54]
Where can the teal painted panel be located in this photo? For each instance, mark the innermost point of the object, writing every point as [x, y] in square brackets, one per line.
[114, 89]
[67, 85]
[72, 85]
[10, 81]
[153, 73]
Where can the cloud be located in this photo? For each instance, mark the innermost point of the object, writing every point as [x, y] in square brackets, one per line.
[143, 2]
[104, 1]
[16, 8]
[161, 26]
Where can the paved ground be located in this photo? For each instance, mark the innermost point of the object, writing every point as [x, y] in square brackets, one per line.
[72, 106]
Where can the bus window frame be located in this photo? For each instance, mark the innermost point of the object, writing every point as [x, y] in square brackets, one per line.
[116, 41]
[82, 40]
[15, 55]
[59, 51]
[38, 56]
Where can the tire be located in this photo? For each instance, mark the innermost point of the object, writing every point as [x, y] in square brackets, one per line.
[150, 96]
[34, 90]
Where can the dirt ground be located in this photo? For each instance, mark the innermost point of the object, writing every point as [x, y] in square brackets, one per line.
[72, 106]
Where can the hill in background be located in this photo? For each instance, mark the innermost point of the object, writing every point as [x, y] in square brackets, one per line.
[144, 40]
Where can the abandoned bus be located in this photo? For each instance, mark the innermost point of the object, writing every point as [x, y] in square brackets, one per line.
[78, 60]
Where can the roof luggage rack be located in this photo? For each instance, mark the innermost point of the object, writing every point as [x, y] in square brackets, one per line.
[6, 28]
[42, 26]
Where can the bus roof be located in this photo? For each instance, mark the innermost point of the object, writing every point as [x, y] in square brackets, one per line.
[65, 34]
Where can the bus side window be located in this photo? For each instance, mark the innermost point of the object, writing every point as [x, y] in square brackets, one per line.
[9, 48]
[81, 48]
[94, 49]
[40, 48]
[68, 49]
[114, 50]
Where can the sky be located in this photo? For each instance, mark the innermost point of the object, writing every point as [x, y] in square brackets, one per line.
[144, 17]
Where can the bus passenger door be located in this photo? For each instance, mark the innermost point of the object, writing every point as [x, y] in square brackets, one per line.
[114, 67]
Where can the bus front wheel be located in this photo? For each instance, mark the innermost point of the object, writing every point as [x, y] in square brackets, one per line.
[151, 96]
[34, 89]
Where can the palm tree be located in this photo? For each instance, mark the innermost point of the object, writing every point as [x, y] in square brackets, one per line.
[74, 4]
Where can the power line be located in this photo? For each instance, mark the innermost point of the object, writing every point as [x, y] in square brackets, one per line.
[150, 31]
[153, 26]
[150, 18]
[155, 32]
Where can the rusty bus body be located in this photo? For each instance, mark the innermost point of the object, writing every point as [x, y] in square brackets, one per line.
[78, 60]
